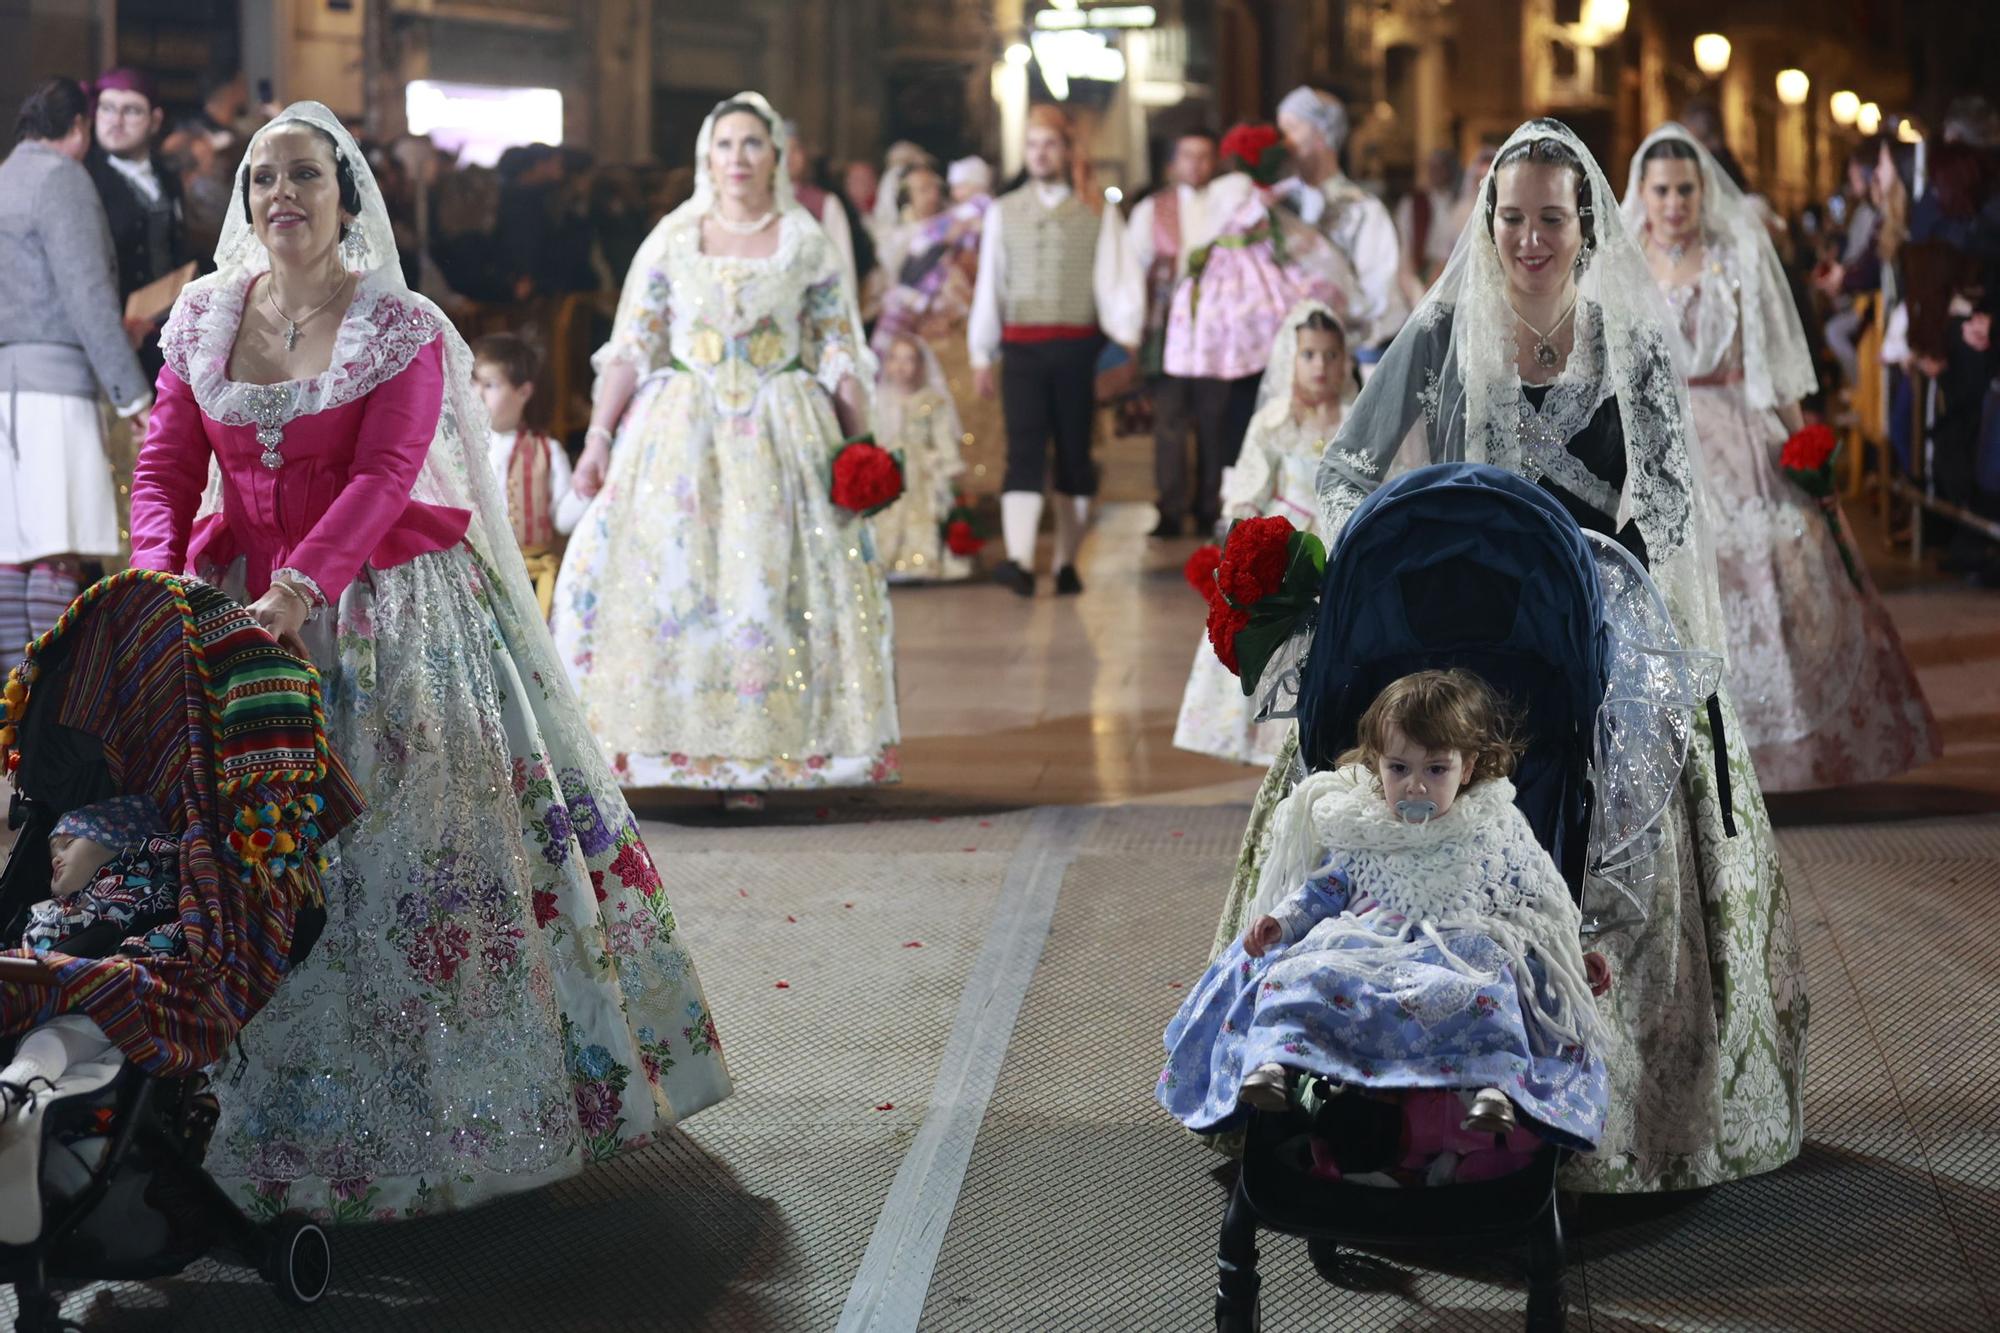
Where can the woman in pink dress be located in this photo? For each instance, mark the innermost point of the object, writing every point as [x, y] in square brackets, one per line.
[501, 994]
[1825, 694]
[1263, 262]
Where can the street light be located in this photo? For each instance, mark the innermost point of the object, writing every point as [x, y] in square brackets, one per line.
[1907, 132]
[1869, 118]
[1602, 20]
[1711, 54]
[1844, 107]
[1793, 87]
[1018, 54]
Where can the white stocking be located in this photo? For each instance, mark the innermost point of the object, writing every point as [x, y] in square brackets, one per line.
[1020, 521]
[52, 1048]
[1072, 513]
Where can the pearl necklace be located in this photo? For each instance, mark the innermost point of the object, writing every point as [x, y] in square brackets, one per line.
[734, 228]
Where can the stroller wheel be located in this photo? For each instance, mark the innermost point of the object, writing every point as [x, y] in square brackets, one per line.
[1351, 1270]
[299, 1261]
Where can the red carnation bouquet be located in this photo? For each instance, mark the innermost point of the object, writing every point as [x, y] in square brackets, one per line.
[1807, 460]
[1258, 584]
[866, 477]
[1255, 149]
[960, 529]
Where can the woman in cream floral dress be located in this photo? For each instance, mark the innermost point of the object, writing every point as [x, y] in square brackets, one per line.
[727, 628]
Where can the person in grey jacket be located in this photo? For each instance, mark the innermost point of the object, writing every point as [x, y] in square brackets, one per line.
[62, 343]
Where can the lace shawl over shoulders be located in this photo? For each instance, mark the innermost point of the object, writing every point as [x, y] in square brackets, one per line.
[379, 336]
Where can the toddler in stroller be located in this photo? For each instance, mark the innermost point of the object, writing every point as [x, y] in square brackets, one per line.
[1447, 582]
[157, 730]
[1430, 958]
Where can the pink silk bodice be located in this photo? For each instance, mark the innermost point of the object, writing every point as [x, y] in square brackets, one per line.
[340, 501]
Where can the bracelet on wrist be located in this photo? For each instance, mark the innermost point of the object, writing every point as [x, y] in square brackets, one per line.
[596, 433]
[304, 595]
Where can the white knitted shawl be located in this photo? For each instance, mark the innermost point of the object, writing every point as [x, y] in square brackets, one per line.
[1476, 868]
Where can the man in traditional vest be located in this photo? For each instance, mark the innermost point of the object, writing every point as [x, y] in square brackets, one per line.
[1046, 262]
[1315, 126]
[142, 198]
[1165, 228]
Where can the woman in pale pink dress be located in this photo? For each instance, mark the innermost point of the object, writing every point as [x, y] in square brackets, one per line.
[1826, 695]
[1239, 288]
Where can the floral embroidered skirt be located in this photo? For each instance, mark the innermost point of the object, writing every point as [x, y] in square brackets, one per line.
[1706, 1055]
[501, 994]
[1218, 718]
[909, 534]
[1827, 696]
[725, 626]
[1436, 1027]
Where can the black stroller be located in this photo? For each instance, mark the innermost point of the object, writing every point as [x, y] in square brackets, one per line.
[152, 684]
[1503, 584]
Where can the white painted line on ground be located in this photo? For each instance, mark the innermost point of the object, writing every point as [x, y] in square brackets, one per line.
[895, 1274]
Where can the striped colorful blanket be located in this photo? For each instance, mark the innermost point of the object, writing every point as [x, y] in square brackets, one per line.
[197, 707]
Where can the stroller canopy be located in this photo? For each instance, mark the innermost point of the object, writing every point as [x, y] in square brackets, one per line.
[163, 686]
[1465, 565]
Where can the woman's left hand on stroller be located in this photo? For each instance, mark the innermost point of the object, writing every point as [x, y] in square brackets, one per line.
[1598, 972]
[1263, 936]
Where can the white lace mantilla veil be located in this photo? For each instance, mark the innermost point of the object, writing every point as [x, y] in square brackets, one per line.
[784, 202]
[1777, 362]
[455, 471]
[1625, 345]
[1276, 386]
[888, 416]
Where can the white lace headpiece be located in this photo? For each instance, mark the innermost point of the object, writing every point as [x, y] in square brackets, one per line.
[1777, 362]
[784, 202]
[456, 472]
[1625, 347]
[1277, 383]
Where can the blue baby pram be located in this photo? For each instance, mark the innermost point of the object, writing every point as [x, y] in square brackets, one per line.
[1463, 565]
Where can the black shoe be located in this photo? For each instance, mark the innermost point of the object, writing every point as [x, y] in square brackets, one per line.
[1014, 578]
[1169, 527]
[1067, 583]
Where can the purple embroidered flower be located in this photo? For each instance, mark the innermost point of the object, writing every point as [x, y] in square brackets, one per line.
[413, 911]
[556, 850]
[596, 1107]
[592, 834]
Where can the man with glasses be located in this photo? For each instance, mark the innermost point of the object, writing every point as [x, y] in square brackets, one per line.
[142, 197]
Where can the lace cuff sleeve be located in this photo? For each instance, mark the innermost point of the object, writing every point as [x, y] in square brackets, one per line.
[1337, 504]
[302, 583]
[639, 331]
[829, 336]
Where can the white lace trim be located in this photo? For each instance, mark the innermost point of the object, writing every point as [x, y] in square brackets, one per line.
[379, 336]
[316, 599]
[1475, 869]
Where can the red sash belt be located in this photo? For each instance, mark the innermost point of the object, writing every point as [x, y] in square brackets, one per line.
[1046, 333]
[1716, 380]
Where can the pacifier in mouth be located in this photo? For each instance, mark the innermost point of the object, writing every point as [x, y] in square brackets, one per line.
[1416, 812]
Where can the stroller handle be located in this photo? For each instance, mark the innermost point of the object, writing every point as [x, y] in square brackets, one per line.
[26, 972]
